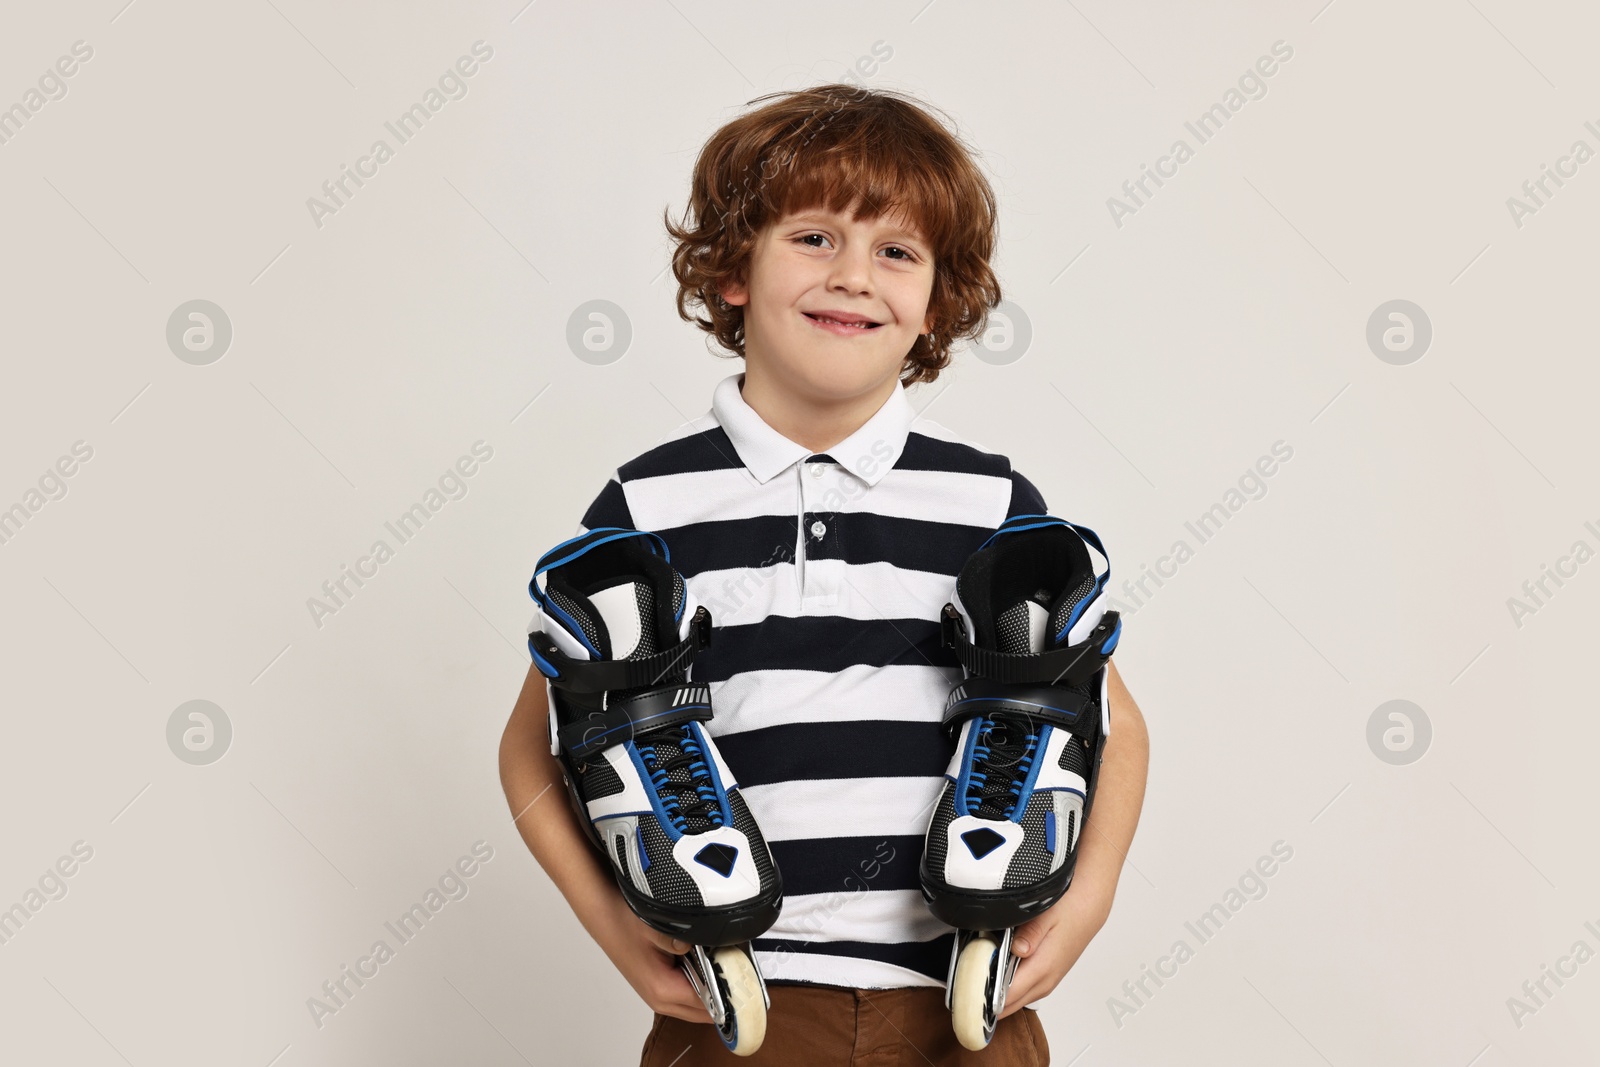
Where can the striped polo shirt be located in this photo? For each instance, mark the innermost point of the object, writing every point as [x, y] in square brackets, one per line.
[825, 574]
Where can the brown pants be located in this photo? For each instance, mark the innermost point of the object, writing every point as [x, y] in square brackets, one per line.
[818, 1026]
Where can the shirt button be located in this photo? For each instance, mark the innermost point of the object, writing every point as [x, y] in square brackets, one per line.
[818, 529]
[816, 469]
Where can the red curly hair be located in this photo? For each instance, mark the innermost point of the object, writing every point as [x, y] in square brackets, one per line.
[833, 146]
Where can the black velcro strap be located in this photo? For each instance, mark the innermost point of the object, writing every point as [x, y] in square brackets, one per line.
[1073, 665]
[606, 675]
[667, 705]
[1040, 703]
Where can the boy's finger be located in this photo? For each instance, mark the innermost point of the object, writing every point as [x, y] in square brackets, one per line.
[664, 942]
[1029, 936]
[1021, 991]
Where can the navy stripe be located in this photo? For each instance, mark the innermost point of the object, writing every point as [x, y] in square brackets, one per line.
[924, 453]
[610, 508]
[848, 864]
[855, 537]
[1025, 498]
[931, 958]
[827, 643]
[756, 542]
[709, 450]
[808, 751]
[858, 537]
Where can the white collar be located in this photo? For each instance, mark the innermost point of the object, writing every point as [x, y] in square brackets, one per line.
[868, 454]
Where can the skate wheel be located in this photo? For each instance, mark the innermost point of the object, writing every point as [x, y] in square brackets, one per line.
[969, 994]
[747, 1010]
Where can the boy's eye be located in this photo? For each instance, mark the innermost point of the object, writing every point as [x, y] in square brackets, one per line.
[905, 254]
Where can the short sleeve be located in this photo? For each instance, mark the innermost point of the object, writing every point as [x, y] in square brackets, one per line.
[1025, 498]
[610, 508]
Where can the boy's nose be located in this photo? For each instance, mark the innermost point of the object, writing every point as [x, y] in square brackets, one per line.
[852, 272]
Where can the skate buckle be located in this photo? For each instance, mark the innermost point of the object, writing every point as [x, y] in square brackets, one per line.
[949, 621]
[702, 621]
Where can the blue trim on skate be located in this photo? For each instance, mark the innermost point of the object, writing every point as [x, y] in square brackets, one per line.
[1034, 755]
[612, 533]
[1050, 832]
[1017, 523]
[964, 781]
[543, 664]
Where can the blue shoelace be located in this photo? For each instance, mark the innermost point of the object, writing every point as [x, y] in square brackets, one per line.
[999, 767]
[695, 799]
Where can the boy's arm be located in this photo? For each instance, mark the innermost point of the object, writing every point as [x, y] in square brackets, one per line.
[1050, 944]
[532, 781]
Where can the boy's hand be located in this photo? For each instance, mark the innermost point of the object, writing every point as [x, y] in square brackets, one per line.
[648, 959]
[1050, 944]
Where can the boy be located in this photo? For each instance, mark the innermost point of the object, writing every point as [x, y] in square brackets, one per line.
[839, 241]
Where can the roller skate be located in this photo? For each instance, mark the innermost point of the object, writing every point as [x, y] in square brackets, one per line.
[1031, 630]
[615, 632]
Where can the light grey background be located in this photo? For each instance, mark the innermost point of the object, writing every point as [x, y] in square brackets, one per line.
[431, 312]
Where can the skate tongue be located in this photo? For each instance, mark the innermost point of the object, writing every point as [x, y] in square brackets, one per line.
[628, 611]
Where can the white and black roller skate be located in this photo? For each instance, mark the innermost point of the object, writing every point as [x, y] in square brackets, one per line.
[616, 633]
[1030, 628]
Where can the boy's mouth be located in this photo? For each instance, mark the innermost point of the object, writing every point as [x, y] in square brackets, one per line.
[855, 324]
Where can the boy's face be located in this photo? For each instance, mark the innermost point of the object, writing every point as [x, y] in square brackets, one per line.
[813, 262]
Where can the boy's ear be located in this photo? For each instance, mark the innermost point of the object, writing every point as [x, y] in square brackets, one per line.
[735, 294]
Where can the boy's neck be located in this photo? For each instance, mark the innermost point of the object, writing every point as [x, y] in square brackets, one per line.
[817, 424]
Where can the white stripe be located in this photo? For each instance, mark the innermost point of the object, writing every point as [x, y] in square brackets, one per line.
[940, 496]
[843, 971]
[886, 916]
[844, 807]
[753, 700]
[867, 591]
[664, 501]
